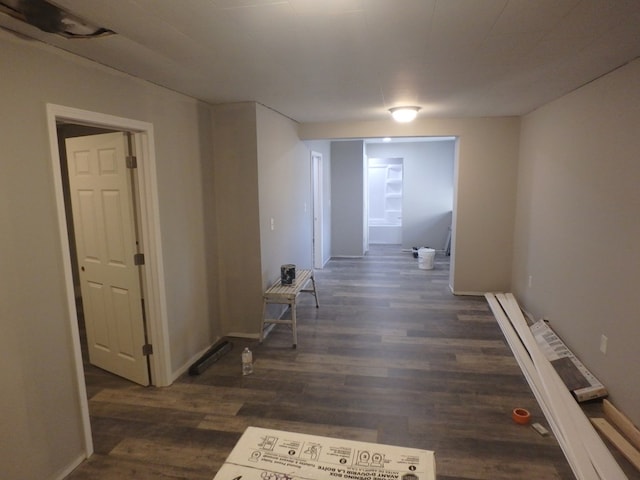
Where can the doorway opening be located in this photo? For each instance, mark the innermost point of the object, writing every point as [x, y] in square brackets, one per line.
[411, 191]
[384, 177]
[147, 206]
[100, 189]
[318, 217]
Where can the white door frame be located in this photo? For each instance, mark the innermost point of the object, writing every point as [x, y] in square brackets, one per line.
[365, 203]
[316, 171]
[155, 295]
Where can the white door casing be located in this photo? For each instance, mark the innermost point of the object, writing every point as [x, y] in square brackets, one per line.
[105, 232]
[316, 169]
[155, 292]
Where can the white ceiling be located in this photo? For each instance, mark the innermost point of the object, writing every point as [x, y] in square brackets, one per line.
[333, 60]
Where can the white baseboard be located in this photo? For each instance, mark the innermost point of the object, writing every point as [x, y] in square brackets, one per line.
[66, 471]
[267, 330]
[252, 336]
[185, 366]
[462, 293]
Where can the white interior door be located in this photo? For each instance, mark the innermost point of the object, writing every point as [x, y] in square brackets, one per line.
[316, 168]
[104, 226]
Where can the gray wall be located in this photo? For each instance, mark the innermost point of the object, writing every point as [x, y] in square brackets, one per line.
[578, 225]
[347, 197]
[261, 172]
[41, 431]
[284, 179]
[575, 233]
[427, 200]
[208, 167]
[235, 182]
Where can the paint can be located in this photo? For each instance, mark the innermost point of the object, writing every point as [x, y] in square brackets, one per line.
[288, 274]
[426, 257]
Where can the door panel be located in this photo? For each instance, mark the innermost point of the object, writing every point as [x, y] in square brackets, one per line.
[101, 198]
[316, 168]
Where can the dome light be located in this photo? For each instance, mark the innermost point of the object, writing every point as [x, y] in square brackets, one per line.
[404, 114]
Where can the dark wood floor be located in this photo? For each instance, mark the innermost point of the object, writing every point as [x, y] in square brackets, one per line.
[391, 356]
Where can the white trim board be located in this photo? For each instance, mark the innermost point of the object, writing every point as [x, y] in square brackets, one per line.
[252, 336]
[466, 294]
[587, 454]
[604, 463]
[66, 471]
[194, 358]
[526, 365]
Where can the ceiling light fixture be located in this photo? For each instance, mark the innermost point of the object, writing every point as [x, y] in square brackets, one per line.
[404, 114]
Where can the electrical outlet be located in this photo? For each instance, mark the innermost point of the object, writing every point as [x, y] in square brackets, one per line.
[273, 224]
[603, 344]
[530, 280]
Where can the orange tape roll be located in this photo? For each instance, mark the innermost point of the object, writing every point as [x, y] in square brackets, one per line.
[521, 416]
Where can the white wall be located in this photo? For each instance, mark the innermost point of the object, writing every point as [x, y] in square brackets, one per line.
[41, 432]
[427, 189]
[484, 199]
[578, 225]
[347, 197]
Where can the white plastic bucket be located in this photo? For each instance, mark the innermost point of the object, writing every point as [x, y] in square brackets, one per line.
[425, 258]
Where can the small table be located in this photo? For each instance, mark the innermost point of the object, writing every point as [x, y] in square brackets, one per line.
[286, 295]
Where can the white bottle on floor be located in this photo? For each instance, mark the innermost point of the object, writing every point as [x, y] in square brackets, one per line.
[247, 361]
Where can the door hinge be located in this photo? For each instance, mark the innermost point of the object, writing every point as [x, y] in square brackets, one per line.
[132, 161]
[138, 259]
[147, 349]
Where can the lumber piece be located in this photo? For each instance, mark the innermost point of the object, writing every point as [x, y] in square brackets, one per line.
[625, 425]
[622, 444]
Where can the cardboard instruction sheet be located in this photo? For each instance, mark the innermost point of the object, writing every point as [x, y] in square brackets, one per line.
[264, 454]
[580, 381]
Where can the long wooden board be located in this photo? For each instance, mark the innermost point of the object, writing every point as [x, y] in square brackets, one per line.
[621, 443]
[622, 422]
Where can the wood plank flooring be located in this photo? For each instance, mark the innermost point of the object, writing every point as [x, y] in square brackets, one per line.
[391, 356]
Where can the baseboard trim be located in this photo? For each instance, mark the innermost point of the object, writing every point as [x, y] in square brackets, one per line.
[66, 471]
[185, 367]
[463, 293]
[252, 336]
